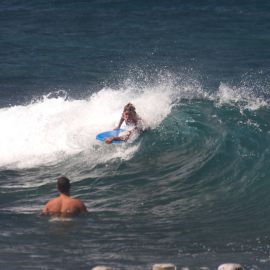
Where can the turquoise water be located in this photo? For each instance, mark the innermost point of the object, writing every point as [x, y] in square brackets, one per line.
[193, 190]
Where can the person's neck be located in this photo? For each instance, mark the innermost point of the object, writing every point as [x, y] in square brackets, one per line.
[64, 194]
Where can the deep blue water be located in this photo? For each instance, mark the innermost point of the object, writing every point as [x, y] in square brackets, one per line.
[193, 190]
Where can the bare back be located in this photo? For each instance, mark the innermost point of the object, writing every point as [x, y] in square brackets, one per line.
[64, 206]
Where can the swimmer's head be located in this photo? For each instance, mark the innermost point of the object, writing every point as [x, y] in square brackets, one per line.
[127, 115]
[63, 185]
[129, 112]
[129, 108]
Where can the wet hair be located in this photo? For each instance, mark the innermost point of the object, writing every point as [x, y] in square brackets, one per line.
[63, 184]
[130, 108]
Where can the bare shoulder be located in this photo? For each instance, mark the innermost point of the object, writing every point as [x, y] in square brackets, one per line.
[64, 205]
[52, 202]
[78, 203]
[51, 205]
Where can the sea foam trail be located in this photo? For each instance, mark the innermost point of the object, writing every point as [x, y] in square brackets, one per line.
[49, 130]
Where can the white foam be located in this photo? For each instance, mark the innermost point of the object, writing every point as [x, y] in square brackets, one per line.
[241, 95]
[52, 129]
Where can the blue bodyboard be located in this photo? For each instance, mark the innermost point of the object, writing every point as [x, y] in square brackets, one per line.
[112, 133]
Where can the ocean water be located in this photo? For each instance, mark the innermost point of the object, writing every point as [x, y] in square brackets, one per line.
[193, 190]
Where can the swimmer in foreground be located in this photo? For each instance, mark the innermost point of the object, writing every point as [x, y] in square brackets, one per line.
[64, 205]
[133, 123]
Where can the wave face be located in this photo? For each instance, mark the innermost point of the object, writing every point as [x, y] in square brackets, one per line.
[183, 190]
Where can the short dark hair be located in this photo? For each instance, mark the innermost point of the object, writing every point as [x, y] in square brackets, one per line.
[63, 184]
